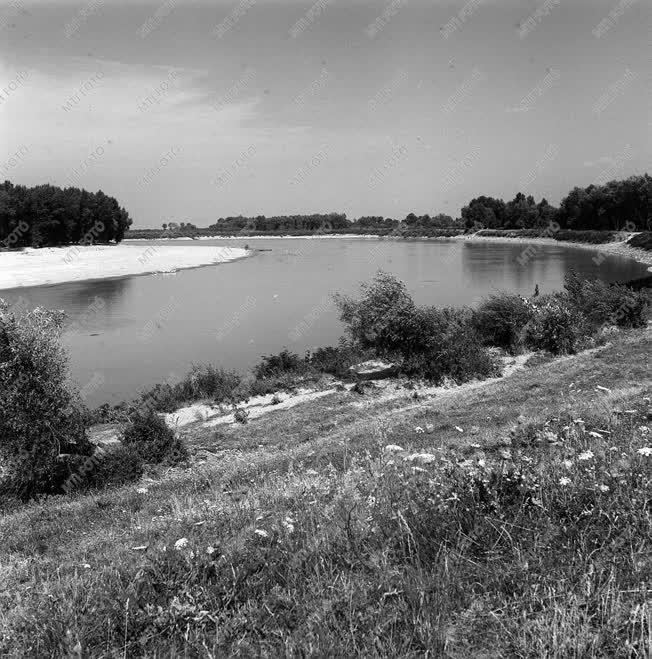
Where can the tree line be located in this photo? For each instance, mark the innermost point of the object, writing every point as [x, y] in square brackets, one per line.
[47, 215]
[612, 206]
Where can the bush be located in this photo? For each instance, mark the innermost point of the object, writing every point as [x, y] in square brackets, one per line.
[40, 417]
[153, 440]
[381, 318]
[446, 344]
[337, 360]
[500, 320]
[206, 381]
[607, 304]
[273, 366]
[556, 326]
[593, 237]
[641, 240]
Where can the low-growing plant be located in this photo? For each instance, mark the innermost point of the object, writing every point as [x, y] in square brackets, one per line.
[273, 366]
[153, 439]
[501, 318]
[556, 326]
[606, 304]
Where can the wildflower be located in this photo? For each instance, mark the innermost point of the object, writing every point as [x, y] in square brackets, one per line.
[394, 448]
[586, 455]
[261, 533]
[646, 451]
[419, 429]
[142, 490]
[604, 488]
[210, 550]
[426, 458]
[564, 481]
[181, 543]
[568, 464]
[288, 523]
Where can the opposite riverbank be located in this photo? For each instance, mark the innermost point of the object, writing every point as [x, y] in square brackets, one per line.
[58, 265]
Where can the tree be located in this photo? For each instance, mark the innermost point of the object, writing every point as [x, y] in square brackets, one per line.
[40, 417]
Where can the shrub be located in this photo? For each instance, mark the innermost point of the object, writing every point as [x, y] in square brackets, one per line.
[446, 344]
[641, 240]
[273, 366]
[556, 326]
[206, 381]
[203, 381]
[337, 360]
[40, 417]
[607, 304]
[500, 319]
[153, 440]
[381, 317]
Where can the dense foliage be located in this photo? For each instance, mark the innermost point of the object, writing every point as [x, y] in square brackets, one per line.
[40, 417]
[47, 215]
[614, 206]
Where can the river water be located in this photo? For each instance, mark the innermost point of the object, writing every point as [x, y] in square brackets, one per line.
[128, 334]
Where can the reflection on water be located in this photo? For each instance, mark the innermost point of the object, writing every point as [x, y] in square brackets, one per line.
[131, 333]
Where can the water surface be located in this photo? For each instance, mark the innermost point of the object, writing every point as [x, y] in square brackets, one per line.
[127, 334]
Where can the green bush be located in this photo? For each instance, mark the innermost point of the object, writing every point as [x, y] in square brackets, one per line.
[153, 440]
[40, 417]
[500, 320]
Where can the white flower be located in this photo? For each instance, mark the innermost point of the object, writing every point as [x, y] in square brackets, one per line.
[425, 458]
[288, 523]
[568, 464]
[646, 451]
[181, 543]
[564, 481]
[419, 429]
[311, 472]
[604, 488]
[394, 448]
[586, 455]
[142, 490]
[210, 550]
[261, 533]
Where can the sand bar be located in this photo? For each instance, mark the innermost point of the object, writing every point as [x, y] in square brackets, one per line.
[57, 265]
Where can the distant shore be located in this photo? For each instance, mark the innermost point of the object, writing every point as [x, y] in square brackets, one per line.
[58, 265]
[616, 248]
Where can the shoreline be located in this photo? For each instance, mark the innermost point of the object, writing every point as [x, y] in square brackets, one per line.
[619, 248]
[50, 266]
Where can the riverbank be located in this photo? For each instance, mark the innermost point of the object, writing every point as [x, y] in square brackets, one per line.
[619, 248]
[57, 265]
[358, 512]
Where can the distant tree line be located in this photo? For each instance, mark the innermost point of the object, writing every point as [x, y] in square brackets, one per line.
[614, 206]
[48, 215]
[315, 222]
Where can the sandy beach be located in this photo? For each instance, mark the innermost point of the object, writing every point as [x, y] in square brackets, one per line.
[57, 265]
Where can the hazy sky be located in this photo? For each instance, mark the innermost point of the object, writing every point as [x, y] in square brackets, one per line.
[285, 106]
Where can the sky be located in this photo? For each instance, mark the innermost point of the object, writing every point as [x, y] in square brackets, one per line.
[193, 110]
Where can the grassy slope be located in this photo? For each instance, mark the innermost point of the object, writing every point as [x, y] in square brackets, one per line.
[350, 564]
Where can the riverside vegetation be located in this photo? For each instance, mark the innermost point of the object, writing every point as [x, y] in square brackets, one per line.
[515, 523]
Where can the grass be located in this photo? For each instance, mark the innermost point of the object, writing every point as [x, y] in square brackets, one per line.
[304, 536]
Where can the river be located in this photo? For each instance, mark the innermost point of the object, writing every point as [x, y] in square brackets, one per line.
[127, 334]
